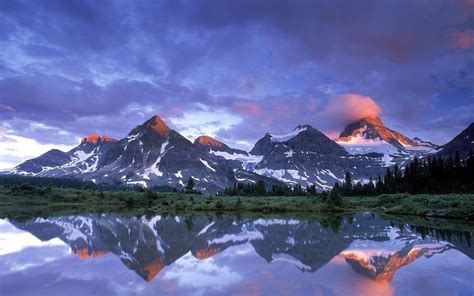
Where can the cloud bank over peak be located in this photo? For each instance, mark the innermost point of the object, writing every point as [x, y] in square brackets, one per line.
[257, 66]
[347, 108]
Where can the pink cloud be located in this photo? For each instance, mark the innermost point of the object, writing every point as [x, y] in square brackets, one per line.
[350, 107]
[311, 107]
[463, 40]
[247, 108]
[175, 111]
[332, 134]
[6, 107]
[283, 109]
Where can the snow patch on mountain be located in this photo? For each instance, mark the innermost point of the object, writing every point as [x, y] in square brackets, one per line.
[154, 168]
[277, 174]
[290, 259]
[246, 159]
[207, 164]
[244, 236]
[286, 137]
[204, 230]
[360, 145]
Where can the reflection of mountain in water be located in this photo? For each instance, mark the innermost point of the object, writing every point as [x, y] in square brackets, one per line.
[382, 264]
[372, 246]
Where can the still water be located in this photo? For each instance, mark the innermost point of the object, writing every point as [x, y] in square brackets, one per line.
[111, 254]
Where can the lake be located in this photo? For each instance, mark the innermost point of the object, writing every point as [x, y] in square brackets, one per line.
[113, 254]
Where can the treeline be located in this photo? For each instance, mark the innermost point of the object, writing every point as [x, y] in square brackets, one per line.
[17, 180]
[258, 189]
[24, 182]
[433, 175]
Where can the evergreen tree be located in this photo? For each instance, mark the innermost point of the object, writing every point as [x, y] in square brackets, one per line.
[334, 197]
[190, 185]
[347, 186]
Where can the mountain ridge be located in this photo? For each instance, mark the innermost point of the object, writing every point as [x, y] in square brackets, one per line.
[154, 154]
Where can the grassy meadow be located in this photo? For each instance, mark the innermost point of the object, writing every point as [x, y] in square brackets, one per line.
[27, 200]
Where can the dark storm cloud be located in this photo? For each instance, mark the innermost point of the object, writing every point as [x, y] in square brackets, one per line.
[83, 66]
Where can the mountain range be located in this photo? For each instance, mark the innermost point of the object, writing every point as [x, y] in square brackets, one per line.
[154, 154]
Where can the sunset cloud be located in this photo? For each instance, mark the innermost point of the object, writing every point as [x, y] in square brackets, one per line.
[350, 107]
[259, 66]
[247, 108]
[463, 40]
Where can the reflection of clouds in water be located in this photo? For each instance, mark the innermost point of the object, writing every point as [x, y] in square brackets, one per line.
[450, 273]
[239, 250]
[189, 271]
[13, 240]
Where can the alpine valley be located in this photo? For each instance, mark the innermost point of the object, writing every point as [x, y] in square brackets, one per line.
[152, 154]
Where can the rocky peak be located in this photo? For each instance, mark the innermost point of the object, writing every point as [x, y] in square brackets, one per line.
[303, 138]
[158, 125]
[93, 138]
[106, 138]
[372, 128]
[208, 141]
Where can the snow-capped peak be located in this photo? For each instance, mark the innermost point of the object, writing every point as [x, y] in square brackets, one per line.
[372, 128]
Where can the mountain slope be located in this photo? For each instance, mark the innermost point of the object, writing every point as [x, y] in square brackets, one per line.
[462, 143]
[225, 155]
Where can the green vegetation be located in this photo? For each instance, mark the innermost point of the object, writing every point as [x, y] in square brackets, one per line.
[26, 200]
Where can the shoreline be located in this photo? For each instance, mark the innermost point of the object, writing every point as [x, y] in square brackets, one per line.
[42, 200]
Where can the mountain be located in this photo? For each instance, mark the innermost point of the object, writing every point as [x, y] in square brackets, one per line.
[82, 159]
[306, 156]
[151, 154]
[382, 264]
[462, 143]
[154, 154]
[372, 128]
[370, 132]
[370, 136]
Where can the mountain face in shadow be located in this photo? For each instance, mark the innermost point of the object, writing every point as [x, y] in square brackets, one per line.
[372, 246]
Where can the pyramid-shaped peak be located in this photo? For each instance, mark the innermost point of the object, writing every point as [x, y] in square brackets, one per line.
[371, 121]
[372, 128]
[158, 125]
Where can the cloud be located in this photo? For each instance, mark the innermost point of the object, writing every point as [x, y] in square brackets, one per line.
[201, 275]
[105, 67]
[204, 121]
[463, 40]
[350, 107]
[6, 108]
[18, 149]
[247, 108]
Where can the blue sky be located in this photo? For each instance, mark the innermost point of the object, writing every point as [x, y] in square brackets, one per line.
[231, 69]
